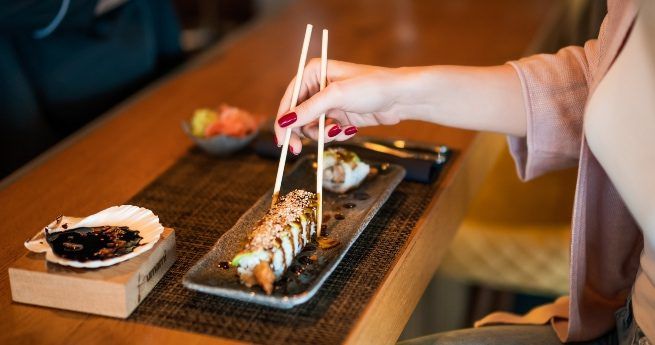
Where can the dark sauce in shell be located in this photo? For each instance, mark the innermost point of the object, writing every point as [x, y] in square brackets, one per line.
[96, 243]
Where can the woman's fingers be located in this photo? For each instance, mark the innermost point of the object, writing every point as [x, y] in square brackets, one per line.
[346, 95]
[295, 144]
[330, 98]
[309, 86]
[310, 131]
[346, 133]
[278, 132]
[285, 102]
[332, 131]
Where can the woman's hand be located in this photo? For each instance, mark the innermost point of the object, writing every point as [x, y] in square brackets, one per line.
[355, 96]
[478, 98]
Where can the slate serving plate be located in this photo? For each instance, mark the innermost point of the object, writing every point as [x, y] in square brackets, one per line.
[304, 277]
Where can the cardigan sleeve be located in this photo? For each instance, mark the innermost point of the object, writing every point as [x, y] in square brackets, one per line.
[555, 89]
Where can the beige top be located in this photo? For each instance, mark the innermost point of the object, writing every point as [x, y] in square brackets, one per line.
[619, 127]
[606, 241]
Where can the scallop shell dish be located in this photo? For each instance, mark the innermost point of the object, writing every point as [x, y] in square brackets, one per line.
[106, 238]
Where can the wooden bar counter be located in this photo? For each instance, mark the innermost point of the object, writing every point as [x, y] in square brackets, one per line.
[110, 160]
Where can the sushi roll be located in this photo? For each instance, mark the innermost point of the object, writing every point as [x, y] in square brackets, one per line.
[271, 246]
[343, 170]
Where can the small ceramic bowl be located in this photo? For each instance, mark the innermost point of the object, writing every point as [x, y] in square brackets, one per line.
[220, 145]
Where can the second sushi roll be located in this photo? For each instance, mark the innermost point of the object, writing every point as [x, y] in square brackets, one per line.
[343, 170]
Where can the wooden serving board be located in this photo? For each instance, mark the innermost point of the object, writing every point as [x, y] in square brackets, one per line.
[111, 291]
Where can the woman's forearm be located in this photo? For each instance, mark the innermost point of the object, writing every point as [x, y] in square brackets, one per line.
[477, 98]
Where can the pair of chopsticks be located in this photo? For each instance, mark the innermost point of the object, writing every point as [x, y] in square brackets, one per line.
[321, 125]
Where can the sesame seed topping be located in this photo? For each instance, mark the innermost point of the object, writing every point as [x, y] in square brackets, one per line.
[288, 209]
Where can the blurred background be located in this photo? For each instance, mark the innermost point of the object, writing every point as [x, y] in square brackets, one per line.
[119, 47]
[511, 252]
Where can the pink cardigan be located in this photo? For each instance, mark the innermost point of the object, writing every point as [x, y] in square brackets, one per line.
[606, 242]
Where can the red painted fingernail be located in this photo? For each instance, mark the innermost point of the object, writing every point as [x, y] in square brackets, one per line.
[334, 131]
[287, 119]
[292, 151]
[351, 130]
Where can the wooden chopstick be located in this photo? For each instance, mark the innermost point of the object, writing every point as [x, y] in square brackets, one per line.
[294, 102]
[321, 137]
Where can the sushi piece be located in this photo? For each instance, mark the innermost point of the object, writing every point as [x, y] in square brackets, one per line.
[343, 170]
[271, 246]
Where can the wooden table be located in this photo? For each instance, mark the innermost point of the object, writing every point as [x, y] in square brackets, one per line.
[113, 158]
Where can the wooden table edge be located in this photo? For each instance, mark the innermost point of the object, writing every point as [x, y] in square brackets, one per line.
[393, 297]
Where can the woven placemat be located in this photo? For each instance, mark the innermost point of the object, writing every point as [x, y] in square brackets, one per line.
[201, 197]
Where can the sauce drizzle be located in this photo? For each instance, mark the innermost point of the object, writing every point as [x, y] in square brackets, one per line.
[94, 243]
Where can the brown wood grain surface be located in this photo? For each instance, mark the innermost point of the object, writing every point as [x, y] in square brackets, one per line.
[111, 291]
[113, 158]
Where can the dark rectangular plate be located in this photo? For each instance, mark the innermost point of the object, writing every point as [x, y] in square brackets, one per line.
[304, 277]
